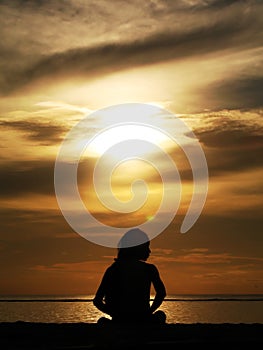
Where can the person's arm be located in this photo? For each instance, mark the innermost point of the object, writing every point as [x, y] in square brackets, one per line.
[159, 289]
[98, 300]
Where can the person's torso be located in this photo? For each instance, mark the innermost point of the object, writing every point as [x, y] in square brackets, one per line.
[129, 288]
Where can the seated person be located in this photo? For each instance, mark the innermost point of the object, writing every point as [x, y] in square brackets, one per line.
[124, 291]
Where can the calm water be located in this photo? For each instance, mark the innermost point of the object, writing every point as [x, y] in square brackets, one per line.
[179, 309]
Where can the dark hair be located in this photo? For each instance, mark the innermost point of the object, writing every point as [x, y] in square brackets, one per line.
[134, 245]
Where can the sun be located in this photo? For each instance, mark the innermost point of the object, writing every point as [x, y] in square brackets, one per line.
[116, 128]
[109, 139]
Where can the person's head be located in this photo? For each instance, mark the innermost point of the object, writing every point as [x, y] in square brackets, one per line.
[134, 245]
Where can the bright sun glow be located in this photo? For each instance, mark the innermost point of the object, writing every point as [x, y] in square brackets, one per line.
[116, 128]
[113, 136]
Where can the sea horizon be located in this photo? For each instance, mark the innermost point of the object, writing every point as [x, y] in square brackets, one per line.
[179, 308]
[89, 297]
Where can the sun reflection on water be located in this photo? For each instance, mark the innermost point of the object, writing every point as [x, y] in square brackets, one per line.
[177, 311]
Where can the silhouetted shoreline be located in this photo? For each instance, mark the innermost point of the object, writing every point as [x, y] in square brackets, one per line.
[52, 336]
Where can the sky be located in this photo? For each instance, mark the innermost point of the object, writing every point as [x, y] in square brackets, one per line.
[64, 61]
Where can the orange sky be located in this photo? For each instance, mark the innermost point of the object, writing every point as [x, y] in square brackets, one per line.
[199, 60]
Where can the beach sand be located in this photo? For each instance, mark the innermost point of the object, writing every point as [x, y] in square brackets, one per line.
[51, 336]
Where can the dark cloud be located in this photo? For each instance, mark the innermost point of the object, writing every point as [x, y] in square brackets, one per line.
[239, 232]
[242, 92]
[41, 133]
[24, 224]
[28, 177]
[35, 237]
[231, 143]
[44, 238]
[220, 4]
[212, 37]
[46, 250]
[232, 146]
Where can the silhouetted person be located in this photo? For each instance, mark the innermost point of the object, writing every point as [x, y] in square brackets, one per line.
[124, 292]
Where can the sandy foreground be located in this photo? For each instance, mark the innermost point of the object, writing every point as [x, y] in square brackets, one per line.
[53, 336]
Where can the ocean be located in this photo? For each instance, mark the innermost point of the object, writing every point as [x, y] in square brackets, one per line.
[184, 309]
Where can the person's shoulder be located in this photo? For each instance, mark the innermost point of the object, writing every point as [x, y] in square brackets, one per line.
[111, 267]
[150, 266]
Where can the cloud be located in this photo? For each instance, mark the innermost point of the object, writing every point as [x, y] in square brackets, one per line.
[209, 36]
[35, 237]
[232, 141]
[242, 92]
[226, 228]
[89, 268]
[229, 274]
[43, 133]
[62, 106]
[27, 178]
[27, 224]
[204, 256]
